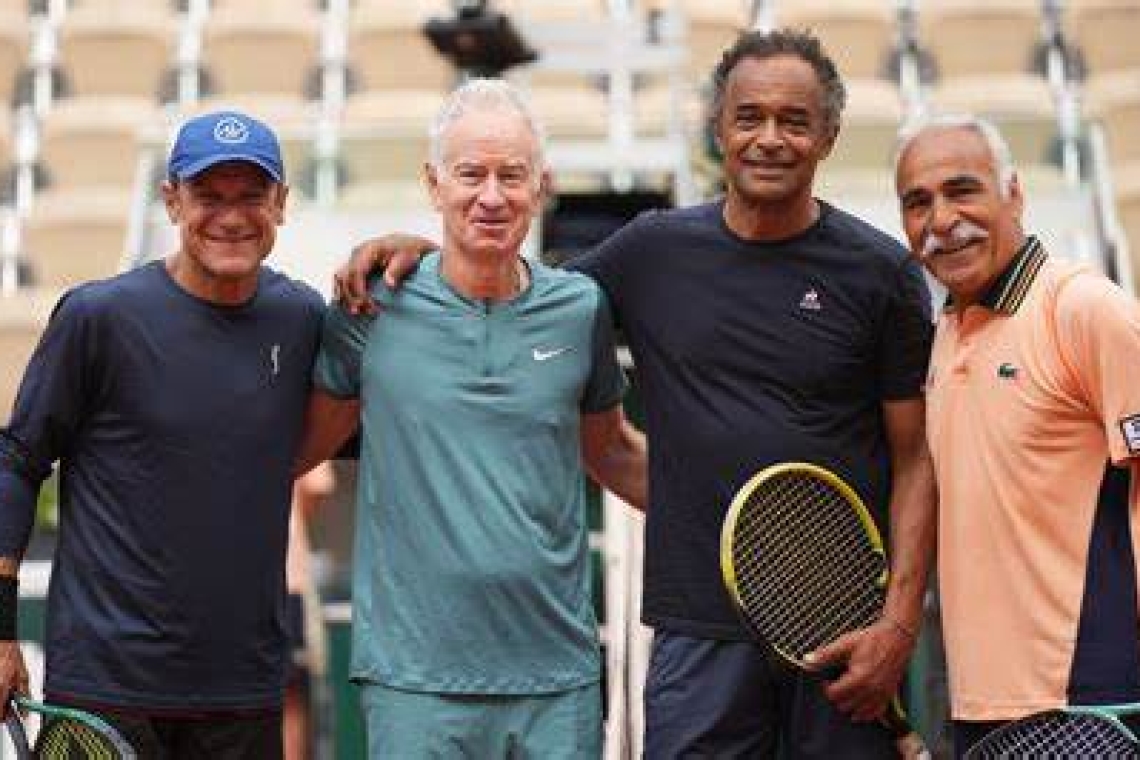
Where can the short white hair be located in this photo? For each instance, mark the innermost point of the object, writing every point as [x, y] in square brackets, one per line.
[998, 147]
[482, 95]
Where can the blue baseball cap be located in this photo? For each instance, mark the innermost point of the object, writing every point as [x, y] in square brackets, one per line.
[214, 138]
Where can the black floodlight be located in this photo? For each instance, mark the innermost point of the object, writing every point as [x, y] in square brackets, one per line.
[479, 41]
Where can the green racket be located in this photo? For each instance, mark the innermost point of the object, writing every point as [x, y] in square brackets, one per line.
[65, 734]
[804, 564]
[1093, 731]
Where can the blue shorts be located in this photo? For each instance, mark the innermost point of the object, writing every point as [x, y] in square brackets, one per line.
[727, 699]
[411, 725]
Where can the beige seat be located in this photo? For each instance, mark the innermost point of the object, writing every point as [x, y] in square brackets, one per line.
[869, 125]
[970, 38]
[249, 49]
[712, 27]
[388, 51]
[94, 141]
[384, 136]
[22, 319]
[1128, 208]
[76, 235]
[13, 50]
[1107, 31]
[1114, 99]
[552, 11]
[120, 49]
[1022, 107]
[859, 34]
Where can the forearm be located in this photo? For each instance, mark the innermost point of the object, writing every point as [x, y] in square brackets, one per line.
[622, 466]
[913, 514]
[329, 422]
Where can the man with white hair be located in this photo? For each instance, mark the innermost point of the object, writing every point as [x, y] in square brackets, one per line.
[485, 387]
[1033, 421]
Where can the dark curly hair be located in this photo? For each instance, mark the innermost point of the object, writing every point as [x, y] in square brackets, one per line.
[762, 44]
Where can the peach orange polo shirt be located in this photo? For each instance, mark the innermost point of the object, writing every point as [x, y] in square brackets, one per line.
[1030, 394]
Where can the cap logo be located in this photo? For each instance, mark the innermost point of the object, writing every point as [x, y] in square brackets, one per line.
[231, 130]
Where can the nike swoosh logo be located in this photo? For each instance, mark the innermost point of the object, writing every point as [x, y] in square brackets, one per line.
[541, 356]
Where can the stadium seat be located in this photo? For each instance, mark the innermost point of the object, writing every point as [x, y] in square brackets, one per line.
[261, 50]
[13, 50]
[859, 34]
[552, 11]
[22, 317]
[1114, 99]
[94, 141]
[970, 38]
[1128, 208]
[1022, 106]
[870, 123]
[1106, 31]
[385, 135]
[76, 235]
[388, 51]
[712, 26]
[116, 50]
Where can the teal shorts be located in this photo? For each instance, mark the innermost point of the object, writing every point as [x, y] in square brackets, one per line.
[409, 725]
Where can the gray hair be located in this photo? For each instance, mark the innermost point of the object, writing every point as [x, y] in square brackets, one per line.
[999, 148]
[482, 95]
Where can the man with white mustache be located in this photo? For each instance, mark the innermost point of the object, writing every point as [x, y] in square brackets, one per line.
[1033, 421]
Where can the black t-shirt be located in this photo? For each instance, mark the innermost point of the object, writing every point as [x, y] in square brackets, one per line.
[176, 423]
[748, 354]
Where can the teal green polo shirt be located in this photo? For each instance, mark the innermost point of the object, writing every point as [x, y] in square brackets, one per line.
[471, 571]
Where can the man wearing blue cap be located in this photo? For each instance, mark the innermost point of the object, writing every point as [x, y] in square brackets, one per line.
[173, 397]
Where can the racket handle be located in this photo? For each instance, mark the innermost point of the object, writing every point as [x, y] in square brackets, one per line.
[909, 744]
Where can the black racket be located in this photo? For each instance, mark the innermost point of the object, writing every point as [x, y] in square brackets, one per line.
[804, 564]
[1094, 731]
[65, 734]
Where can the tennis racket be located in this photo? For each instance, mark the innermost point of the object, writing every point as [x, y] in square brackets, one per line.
[65, 734]
[1065, 732]
[804, 564]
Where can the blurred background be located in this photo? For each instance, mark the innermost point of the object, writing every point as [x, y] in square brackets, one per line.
[95, 89]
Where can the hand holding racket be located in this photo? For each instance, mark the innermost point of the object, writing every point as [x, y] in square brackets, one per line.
[65, 734]
[1065, 732]
[805, 565]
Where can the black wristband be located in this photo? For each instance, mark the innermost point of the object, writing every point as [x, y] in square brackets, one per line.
[9, 591]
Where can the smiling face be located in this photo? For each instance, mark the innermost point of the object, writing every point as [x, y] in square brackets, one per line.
[488, 183]
[960, 221]
[773, 131]
[227, 218]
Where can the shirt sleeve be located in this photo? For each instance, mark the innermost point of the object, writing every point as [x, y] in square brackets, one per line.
[340, 357]
[50, 407]
[607, 384]
[1098, 333]
[906, 335]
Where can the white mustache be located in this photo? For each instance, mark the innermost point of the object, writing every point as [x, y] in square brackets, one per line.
[961, 233]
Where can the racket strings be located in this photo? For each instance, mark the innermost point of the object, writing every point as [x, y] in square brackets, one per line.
[808, 571]
[1057, 735]
[63, 739]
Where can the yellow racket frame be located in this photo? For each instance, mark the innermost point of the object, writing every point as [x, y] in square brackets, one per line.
[728, 528]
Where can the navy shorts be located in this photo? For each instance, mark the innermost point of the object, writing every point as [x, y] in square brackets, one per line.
[727, 699]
